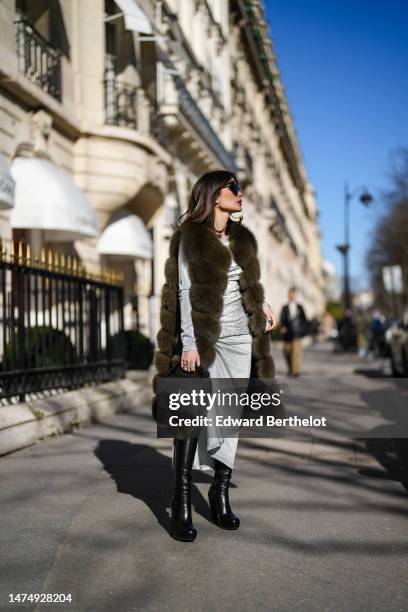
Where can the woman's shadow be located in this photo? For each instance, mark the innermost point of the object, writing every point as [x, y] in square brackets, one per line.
[143, 472]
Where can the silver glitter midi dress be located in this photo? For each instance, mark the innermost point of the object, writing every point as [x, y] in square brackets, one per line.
[232, 361]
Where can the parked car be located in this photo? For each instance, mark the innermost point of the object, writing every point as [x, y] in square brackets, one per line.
[397, 340]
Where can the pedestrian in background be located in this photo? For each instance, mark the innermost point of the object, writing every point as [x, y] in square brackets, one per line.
[328, 327]
[347, 336]
[294, 326]
[363, 327]
[378, 342]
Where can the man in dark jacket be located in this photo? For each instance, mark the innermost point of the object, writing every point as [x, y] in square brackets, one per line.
[294, 326]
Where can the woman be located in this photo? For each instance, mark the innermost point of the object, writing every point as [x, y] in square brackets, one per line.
[220, 322]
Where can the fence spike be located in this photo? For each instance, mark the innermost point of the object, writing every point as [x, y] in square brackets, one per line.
[56, 260]
[49, 259]
[63, 262]
[3, 249]
[12, 249]
[20, 251]
[43, 261]
[28, 254]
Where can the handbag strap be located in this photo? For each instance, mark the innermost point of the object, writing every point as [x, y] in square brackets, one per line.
[199, 373]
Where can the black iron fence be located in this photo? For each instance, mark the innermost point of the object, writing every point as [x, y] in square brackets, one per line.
[61, 327]
[38, 60]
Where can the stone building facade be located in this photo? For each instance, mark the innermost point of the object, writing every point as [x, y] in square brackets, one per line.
[131, 102]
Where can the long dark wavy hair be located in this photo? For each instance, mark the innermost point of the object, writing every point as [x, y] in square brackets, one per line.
[202, 199]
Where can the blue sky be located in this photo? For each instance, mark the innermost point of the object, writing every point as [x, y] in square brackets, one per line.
[344, 67]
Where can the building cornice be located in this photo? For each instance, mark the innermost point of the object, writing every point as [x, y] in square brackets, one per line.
[254, 27]
[172, 22]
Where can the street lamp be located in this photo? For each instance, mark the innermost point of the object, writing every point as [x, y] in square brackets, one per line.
[365, 198]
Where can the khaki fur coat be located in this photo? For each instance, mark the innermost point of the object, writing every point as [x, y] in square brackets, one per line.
[208, 261]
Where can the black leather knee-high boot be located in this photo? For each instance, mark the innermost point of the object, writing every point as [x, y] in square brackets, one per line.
[182, 527]
[219, 500]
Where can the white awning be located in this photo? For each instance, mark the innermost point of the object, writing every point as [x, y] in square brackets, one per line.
[46, 198]
[126, 237]
[6, 186]
[135, 18]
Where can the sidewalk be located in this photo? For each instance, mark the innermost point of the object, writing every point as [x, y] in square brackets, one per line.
[323, 524]
[26, 423]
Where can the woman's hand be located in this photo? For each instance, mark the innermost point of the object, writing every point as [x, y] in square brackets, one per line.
[270, 318]
[189, 360]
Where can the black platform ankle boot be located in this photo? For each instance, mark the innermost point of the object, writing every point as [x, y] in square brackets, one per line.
[219, 500]
[182, 527]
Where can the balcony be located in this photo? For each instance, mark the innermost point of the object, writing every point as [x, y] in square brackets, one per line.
[184, 119]
[277, 221]
[38, 60]
[249, 162]
[276, 228]
[121, 98]
[201, 125]
[245, 165]
[157, 127]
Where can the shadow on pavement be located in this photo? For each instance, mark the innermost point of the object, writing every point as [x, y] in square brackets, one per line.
[141, 471]
[370, 372]
[392, 455]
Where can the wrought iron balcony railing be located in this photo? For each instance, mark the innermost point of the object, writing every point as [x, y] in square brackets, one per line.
[198, 120]
[38, 60]
[157, 128]
[121, 99]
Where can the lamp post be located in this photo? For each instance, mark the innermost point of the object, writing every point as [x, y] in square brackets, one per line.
[365, 198]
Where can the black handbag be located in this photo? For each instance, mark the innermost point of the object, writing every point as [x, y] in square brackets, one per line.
[200, 379]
